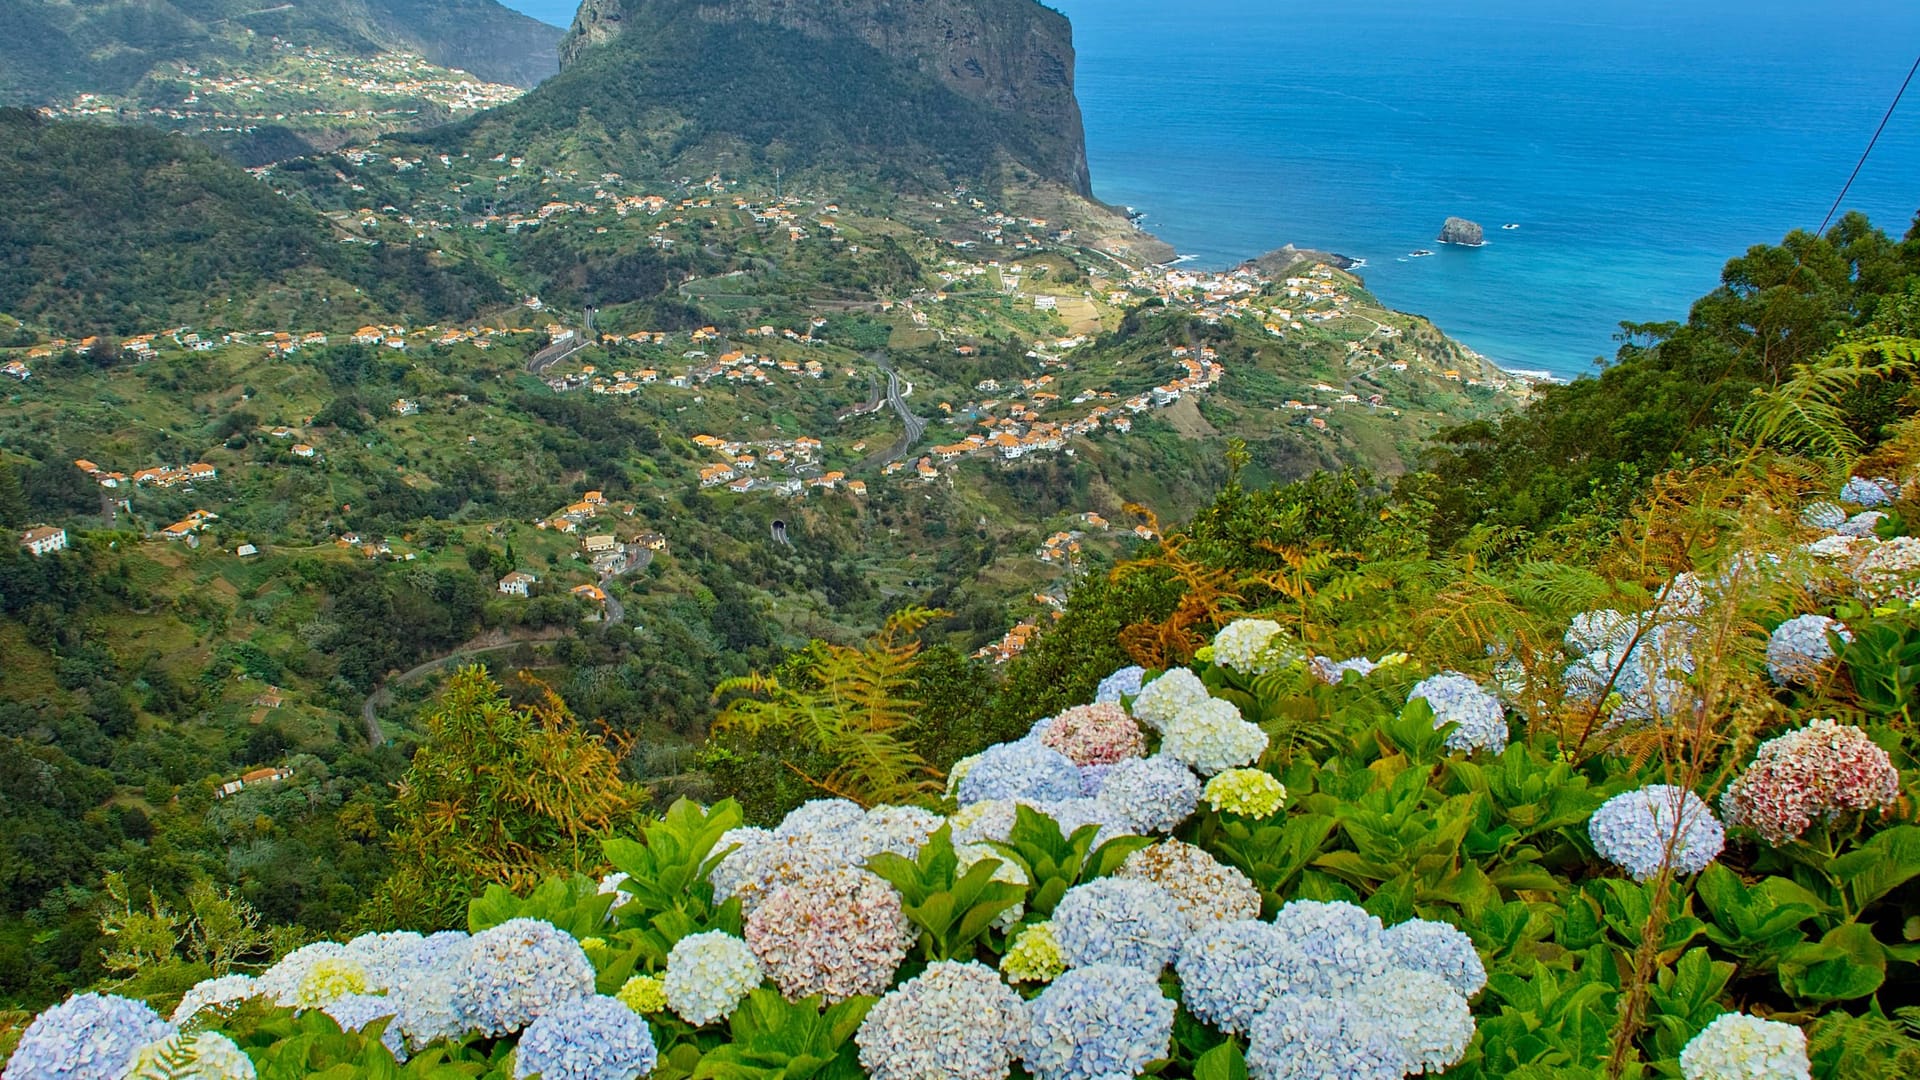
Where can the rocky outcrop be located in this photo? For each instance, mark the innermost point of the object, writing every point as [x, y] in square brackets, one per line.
[1014, 58]
[1280, 260]
[1459, 230]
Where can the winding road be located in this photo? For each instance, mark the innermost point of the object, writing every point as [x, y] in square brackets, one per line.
[915, 426]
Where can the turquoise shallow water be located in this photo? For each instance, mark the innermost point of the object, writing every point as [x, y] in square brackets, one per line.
[1637, 143]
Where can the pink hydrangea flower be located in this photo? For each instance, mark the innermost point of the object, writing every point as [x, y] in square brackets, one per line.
[1095, 734]
[1820, 771]
[838, 934]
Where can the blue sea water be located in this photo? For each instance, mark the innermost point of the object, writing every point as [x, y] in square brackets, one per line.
[1637, 144]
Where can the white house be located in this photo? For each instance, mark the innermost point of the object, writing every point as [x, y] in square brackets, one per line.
[44, 540]
[515, 584]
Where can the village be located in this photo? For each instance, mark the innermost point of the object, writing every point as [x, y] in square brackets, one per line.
[299, 87]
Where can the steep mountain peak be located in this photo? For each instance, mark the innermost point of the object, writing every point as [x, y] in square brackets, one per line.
[1011, 59]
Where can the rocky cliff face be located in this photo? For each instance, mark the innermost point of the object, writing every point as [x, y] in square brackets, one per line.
[1014, 57]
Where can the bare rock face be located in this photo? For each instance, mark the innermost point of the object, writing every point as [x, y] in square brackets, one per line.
[1459, 230]
[1014, 57]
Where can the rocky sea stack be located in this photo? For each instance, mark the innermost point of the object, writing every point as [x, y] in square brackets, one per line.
[1459, 230]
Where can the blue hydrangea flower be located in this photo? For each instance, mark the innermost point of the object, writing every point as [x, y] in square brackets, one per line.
[1633, 831]
[1092, 777]
[901, 830]
[1599, 631]
[1305, 1037]
[1097, 1023]
[1428, 1018]
[1861, 524]
[1861, 491]
[386, 957]
[1456, 699]
[1021, 770]
[821, 817]
[1118, 921]
[1822, 515]
[1335, 946]
[586, 1038]
[1232, 972]
[1440, 949]
[1799, 648]
[1651, 680]
[1329, 670]
[1072, 814]
[514, 972]
[1124, 683]
[86, 1037]
[356, 1011]
[1151, 794]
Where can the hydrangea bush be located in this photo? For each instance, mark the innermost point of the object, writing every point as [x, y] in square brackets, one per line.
[1253, 862]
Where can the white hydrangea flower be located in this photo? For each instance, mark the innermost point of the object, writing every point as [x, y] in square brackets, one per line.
[900, 830]
[1210, 736]
[281, 983]
[709, 975]
[213, 994]
[1741, 1047]
[209, 1056]
[1822, 515]
[1254, 647]
[1599, 631]
[1162, 699]
[1429, 1018]
[1888, 572]
[1861, 524]
[955, 1021]
[988, 819]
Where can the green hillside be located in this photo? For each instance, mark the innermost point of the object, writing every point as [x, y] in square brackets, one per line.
[50, 50]
[128, 230]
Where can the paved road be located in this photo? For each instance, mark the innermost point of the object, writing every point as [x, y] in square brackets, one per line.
[539, 362]
[915, 427]
[383, 697]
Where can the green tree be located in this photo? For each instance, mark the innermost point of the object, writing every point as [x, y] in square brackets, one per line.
[498, 794]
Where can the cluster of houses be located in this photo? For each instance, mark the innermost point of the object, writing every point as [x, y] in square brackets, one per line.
[305, 86]
[739, 472]
[163, 476]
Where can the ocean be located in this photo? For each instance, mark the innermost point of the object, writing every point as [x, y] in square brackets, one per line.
[1636, 144]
